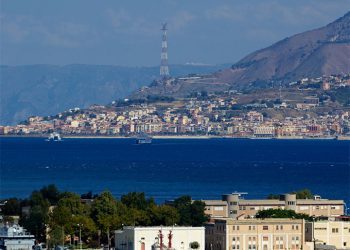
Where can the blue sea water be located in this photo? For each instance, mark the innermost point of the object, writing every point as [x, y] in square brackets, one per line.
[168, 168]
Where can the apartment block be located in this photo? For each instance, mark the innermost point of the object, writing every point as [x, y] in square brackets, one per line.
[255, 234]
[235, 206]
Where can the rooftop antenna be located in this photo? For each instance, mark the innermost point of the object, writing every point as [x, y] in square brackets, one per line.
[164, 68]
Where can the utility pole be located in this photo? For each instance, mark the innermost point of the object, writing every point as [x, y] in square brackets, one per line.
[80, 242]
[164, 68]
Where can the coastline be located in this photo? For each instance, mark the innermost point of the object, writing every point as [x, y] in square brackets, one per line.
[342, 138]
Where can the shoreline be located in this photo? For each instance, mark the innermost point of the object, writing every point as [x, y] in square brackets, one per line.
[179, 137]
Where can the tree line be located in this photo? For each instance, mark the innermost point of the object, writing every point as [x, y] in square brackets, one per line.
[58, 217]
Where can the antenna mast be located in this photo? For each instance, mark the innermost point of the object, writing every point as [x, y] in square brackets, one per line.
[164, 68]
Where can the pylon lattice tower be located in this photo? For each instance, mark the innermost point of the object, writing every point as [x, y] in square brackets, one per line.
[164, 68]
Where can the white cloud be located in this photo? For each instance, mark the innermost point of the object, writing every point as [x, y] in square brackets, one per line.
[118, 18]
[180, 20]
[225, 12]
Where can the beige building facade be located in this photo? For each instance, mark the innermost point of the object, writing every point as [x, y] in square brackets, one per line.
[234, 206]
[334, 233]
[255, 234]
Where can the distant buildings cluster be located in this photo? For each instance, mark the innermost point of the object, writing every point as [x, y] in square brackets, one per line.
[215, 115]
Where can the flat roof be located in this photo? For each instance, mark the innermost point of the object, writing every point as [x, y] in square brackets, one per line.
[275, 202]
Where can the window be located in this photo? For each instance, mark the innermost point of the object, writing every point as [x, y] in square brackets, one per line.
[335, 230]
[265, 227]
[233, 203]
[251, 228]
[235, 243]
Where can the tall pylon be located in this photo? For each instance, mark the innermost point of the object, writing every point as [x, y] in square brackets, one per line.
[164, 68]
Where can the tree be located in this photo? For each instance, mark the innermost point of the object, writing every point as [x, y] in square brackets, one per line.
[197, 213]
[279, 213]
[273, 196]
[191, 213]
[50, 193]
[304, 194]
[38, 215]
[183, 206]
[137, 200]
[108, 213]
[164, 215]
[12, 207]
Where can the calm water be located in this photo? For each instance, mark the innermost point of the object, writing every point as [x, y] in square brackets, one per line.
[168, 168]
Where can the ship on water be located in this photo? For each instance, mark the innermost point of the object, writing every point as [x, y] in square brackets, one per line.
[144, 139]
[54, 137]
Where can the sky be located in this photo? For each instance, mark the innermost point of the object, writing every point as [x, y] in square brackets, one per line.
[127, 32]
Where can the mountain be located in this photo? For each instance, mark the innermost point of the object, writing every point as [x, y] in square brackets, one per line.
[322, 51]
[318, 52]
[49, 89]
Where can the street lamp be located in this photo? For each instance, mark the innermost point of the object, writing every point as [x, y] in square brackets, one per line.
[80, 225]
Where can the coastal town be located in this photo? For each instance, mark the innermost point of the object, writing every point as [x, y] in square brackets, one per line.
[308, 108]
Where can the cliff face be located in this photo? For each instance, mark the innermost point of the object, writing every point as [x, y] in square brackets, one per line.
[313, 53]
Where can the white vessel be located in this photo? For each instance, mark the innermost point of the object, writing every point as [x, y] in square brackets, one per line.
[144, 139]
[54, 137]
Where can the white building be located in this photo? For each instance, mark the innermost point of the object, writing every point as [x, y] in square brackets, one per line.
[162, 238]
[15, 238]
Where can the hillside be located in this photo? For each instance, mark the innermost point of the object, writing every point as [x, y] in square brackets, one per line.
[49, 89]
[323, 51]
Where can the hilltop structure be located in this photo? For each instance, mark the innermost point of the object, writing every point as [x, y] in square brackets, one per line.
[164, 68]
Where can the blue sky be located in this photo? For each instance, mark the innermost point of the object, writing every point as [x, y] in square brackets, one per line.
[127, 32]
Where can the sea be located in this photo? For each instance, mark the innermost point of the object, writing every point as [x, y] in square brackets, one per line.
[169, 168]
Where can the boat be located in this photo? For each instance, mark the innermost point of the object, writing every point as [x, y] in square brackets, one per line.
[54, 137]
[144, 139]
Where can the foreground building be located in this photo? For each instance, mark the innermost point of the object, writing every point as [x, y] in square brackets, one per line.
[234, 206]
[334, 234]
[256, 234]
[162, 238]
[15, 238]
